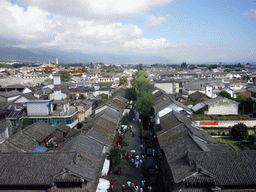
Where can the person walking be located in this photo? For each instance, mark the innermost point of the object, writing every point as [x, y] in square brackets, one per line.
[123, 188]
[132, 186]
[153, 151]
[129, 184]
[111, 185]
[137, 164]
[143, 183]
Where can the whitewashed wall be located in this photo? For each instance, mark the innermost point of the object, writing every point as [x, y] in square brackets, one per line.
[37, 108]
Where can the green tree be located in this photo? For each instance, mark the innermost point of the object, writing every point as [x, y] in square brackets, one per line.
[225, 94]
[64, 76]
[123, 81]
[82, 96]
[141, 73]
[251, 139]
[48, 70]
[115, 156]
[131, 94]
[145, 102]
[239, 132]
[228, 70]
[143, 84]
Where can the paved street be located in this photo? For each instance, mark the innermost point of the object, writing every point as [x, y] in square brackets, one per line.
[129, 172]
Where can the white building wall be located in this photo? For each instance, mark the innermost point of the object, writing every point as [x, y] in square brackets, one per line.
[227, 123]
[72, 125]
[37, 109]
[12, 98]
[223, 108]
[63, 96]
[57, 95]
[167, 87]
[96, 93]
[209, 91]
[26, 90]
[21, 100]
[100, 109]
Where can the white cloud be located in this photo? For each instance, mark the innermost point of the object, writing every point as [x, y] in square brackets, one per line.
[160, 45]
[42, 28]
[154, 21]
[34, 28]
[95, 9]
[250, 13]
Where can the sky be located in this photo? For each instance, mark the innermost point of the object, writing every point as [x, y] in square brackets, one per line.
[192, 31]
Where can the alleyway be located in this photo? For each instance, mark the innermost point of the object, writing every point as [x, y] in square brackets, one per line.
[129, 172]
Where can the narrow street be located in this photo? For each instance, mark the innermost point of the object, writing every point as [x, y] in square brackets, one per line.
[129, 172]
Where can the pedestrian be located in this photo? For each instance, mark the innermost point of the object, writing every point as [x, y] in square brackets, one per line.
[137, 189]
[141, 189]
[141, 161]
[137, 164]
[129, 184]
[149, 188]
[111, 185]
[123, 188]
[153, 151]
[141, 147]
[132, 161]
[132, 186]
[143, 183]
[133, 134]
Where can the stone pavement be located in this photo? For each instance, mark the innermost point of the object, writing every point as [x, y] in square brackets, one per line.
[128, 172]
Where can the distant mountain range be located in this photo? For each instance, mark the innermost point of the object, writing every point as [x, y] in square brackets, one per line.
[44, 55]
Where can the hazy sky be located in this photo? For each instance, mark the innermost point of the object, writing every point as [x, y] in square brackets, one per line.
[181, 30]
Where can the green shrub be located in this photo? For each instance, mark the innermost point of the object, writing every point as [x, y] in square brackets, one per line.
[213, 133]
[251, 139]
[239, 132]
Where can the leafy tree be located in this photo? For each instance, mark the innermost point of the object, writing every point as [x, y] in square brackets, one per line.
[252, 139]
[145, 102]
[82, 96]
[103, 96]
[141, 73]
[47, 70]
[131, 94]
[228, 70]
[64, 76]
[115, 156]
[143, 84]
[125, 120]
[123, 81]
[239, 132]
[225, 94]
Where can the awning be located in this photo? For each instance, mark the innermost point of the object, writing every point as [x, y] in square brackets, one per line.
[105, 168]
[103, 185]
[39, 149]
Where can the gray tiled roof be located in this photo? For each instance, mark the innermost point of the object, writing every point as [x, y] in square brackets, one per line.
[103, 131]
[23, 141]
[10, 93]
[39, 131]
[36, 168]
[85, 145]
[218, 99]
[62, 127]
[228, 168]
